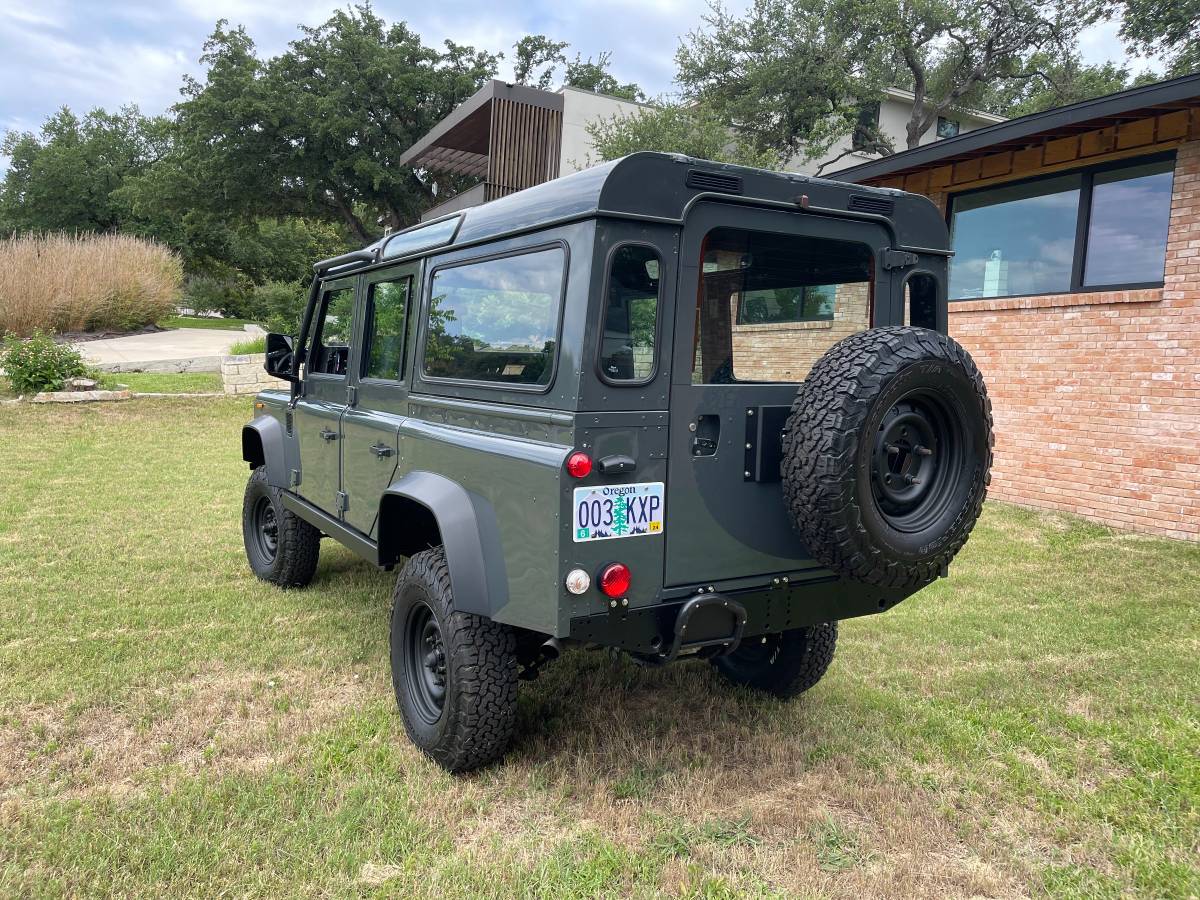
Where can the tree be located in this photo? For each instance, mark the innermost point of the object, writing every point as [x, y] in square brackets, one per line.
[67, 178]
[794, 75]
[319, 129]
[533, 52]
[674, 128]
[1169, 27]
[595, 77]
[1052, 82]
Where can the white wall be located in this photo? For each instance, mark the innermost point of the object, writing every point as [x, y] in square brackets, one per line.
[579, 109]
[894, 113]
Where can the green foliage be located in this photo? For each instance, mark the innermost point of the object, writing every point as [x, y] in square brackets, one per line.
[791, 76]
[67, 177]
[280, 305]
[1058, 81]
[1168, 28]
[674, 128]
[594, 76]
[533, 52]
[229, 296]
[248, 346]
[39, 363]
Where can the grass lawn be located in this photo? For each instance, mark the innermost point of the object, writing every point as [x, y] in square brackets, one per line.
[169, 725]
[204, 322]
[164, 382]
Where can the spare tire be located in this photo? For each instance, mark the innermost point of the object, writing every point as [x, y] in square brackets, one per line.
[887, 455]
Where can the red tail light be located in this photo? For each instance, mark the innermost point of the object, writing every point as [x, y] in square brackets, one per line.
[614, 580]
[579, 465]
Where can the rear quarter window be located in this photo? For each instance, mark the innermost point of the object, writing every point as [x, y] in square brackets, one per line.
[496, 320]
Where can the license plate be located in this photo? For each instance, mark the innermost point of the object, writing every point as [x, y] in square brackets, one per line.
[617, 511]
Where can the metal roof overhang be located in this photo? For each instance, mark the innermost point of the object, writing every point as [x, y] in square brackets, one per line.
[460, 144]
[1088, 115]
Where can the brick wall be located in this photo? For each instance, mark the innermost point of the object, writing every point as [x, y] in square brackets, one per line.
[1097, 395]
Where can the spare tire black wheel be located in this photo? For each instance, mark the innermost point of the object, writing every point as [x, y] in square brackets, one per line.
[887, 455]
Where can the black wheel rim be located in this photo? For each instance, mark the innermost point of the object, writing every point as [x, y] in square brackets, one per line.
[266, 528]
[917, 461]
[425, 667]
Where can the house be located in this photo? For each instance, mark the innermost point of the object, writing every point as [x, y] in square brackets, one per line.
[1076, 287]
[511, 137]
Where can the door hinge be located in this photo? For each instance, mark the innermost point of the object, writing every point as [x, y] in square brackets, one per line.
[351, 395]
[343, 501]
[897, 259]
[294, 478]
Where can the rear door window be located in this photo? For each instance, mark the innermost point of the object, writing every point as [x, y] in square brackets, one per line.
[769, 305]
[496, 320]
[387, 320]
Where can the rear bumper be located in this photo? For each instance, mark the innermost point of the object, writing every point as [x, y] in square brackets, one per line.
[677, 627]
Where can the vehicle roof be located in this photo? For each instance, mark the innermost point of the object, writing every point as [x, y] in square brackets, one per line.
[662, 187]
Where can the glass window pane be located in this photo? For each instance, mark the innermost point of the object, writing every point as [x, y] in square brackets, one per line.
[631, 315]
[770, 305]
[1127, 232]
[331, 337]
[421, 238]
[496, 320]
[1018, 239]
[387, 315]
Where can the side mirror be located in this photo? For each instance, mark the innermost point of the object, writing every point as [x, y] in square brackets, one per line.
[281, 357]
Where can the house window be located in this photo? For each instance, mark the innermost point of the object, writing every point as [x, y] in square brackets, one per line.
[947, 128]
[1100, 227]
[866, 128]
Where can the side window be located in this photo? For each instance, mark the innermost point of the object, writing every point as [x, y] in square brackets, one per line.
[769, 305]
[628, 342]
[331, 335]
[387, 326]
[920, 301]
[496, 320]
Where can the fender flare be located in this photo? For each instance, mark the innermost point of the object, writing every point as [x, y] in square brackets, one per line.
[420, 502]
[263, 445]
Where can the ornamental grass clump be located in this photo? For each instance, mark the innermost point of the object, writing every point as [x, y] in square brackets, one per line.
[87, 282]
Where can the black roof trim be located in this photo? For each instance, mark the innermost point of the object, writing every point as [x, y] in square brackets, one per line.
[1184, 91]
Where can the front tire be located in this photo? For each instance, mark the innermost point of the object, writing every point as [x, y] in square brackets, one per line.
[454, 674]
[785, 664]
[281, 547]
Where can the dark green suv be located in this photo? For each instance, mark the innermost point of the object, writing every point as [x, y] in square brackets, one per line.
[665, 405]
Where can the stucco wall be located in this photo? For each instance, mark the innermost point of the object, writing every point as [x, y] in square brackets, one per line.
[580, 108]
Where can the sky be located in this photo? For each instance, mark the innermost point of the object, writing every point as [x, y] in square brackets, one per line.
[89, 53]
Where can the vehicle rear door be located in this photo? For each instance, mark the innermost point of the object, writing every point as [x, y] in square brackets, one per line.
[758, 302]
[371, 425]
[317, 418]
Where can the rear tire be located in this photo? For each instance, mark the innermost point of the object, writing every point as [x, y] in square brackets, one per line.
[281, 547]
[785, 664]
[454, 674]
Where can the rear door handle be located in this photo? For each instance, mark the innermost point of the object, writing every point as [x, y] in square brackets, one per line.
[381, 450]
[328, 435]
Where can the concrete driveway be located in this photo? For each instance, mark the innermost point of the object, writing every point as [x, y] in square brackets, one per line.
[177, 350]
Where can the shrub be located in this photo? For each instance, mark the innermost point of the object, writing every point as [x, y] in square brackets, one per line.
[92, 282]
[229, 296]
[281, 304]
[38, 363]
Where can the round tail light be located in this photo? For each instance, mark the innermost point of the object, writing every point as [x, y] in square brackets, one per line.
[614, 580]
[579, 464]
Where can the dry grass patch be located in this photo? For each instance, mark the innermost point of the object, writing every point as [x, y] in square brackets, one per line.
[85, 282]
[217, 721]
